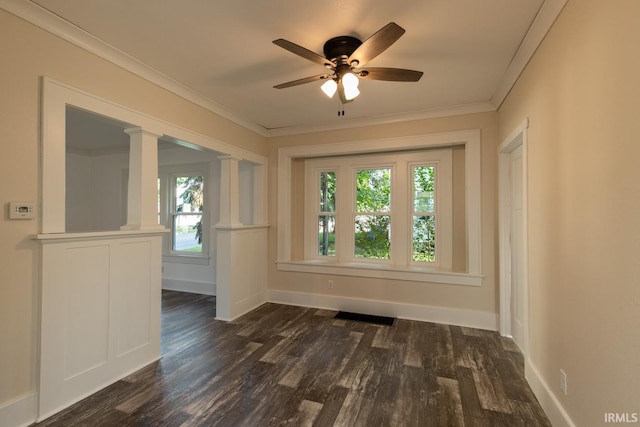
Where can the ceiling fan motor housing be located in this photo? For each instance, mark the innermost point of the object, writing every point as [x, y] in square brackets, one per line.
[339, 49]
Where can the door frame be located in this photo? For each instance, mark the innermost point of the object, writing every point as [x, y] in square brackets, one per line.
[517, 138]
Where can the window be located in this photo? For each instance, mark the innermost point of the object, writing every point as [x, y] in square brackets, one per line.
[423, 232]
[183, 210]
[186, 213]
[326, 214]
[466, 177]
[390, 209]
[372, 219]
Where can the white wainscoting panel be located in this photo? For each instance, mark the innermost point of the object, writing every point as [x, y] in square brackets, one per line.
[101, 300]
[241, 270]
[85, 307]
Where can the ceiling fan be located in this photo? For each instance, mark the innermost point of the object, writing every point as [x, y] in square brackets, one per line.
[344, 56]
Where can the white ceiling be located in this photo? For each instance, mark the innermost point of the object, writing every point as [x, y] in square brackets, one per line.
[470, 51]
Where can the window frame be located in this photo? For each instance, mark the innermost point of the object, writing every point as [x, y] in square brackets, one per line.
[401, 214]
[354, 210]
[318, 212]
[470, 140]
[167, 176]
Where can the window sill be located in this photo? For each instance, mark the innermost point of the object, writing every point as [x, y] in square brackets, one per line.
[186, 259]
[409, 273]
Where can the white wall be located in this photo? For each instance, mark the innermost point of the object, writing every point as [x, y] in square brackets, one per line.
[95, 192]
[78, 193]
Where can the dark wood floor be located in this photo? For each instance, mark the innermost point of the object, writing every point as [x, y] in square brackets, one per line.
[281, 365]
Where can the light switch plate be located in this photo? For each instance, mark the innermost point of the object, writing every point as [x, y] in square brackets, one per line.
[22, 210]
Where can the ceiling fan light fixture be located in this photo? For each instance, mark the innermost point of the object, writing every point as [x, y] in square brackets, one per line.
[350, 83]
[345, 56]
[329, 87]
[351, 94]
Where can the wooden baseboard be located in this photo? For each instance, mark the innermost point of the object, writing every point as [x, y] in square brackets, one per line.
[450, 316]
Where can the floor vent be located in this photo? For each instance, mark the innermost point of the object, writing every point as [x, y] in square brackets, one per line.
[368, 318]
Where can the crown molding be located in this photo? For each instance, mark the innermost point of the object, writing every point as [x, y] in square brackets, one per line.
[52, 23]
[57, 26]
[542, 23]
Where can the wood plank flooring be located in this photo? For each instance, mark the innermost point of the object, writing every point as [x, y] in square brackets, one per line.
[290, 366]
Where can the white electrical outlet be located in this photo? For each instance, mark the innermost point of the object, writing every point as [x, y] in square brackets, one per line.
[563, 381]
[330, 284]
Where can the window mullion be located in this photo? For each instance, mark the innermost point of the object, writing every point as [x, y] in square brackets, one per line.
[399, 205]
[311, 212]
[345, 203]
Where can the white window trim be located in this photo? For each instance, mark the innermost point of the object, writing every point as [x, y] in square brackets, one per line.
[401, 166]
[469, 139]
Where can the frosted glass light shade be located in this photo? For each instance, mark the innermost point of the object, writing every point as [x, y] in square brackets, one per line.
[329, 87]
[350, 84]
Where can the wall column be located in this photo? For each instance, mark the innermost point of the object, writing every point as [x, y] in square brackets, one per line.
[142, 198]
[241, 263]
[229, 192]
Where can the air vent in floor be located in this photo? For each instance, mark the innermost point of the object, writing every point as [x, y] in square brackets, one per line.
[368, 318]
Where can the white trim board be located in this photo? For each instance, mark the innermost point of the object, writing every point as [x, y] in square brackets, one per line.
[544, 20]
[549, 402]
[422, 313]
[191, 286]
[518, 137]
[56, 96]
[20, 412]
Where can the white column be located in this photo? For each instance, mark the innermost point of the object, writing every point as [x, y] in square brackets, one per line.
[142, 200]
[260, 194]
[229, 192]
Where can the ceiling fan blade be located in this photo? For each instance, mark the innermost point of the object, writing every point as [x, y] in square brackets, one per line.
[390, 74]
[302, 81]
[301, 51]
[376, 44]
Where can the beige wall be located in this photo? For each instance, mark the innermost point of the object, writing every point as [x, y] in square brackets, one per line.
[27, 53]
[481, 299]
[581, 93]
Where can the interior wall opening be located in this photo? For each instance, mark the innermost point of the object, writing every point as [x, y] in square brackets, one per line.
[97, 171]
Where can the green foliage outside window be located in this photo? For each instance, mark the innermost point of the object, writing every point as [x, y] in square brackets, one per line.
[372, 226]
[190, 198]
[424, 221]
[326, 222]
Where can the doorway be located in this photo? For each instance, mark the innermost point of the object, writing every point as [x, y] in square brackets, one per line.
[514, 289]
